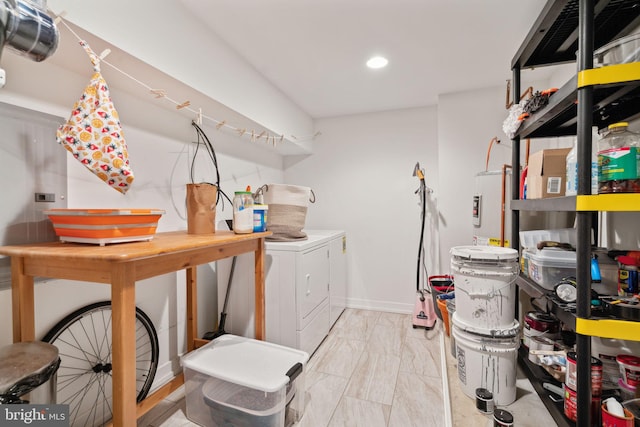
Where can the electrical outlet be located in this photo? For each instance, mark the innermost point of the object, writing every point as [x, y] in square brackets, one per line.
[45, 197]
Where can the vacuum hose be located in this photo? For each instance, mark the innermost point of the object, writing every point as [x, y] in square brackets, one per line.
[423, 198]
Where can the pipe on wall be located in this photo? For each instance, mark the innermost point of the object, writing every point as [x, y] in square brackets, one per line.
[27, 29]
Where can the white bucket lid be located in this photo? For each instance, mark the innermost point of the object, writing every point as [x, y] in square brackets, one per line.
[247, 362]
[508, 332]
[493, 253]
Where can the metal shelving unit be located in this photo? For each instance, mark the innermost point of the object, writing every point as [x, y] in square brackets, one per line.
[593, 97]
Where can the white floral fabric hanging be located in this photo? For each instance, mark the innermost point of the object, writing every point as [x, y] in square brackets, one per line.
[93, 133]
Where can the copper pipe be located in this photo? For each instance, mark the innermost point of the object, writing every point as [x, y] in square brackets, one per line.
[497, 141]
[508, 103]
[503, 196]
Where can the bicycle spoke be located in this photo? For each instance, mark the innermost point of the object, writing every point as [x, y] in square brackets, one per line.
[85, 346]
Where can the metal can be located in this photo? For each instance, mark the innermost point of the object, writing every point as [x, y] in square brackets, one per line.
[536, 324]
[484, 401]
[596, 373]
[502, 418]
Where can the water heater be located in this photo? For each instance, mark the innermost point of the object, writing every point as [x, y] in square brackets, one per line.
[487, 212]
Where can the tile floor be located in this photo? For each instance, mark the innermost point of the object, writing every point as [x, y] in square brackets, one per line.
[373, 370]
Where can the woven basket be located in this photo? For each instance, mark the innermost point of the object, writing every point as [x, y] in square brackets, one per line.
[287, 210]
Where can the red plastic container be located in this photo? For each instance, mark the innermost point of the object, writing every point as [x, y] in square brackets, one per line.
[610, 420]
[629, 369]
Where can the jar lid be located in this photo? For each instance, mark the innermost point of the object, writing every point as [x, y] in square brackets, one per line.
[503, 416]
[628, 359]
[627, 260]
[258, 207]
[243, 192]
[483, 393]
[573, 356]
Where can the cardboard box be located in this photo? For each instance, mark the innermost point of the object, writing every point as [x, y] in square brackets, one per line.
[546, 173]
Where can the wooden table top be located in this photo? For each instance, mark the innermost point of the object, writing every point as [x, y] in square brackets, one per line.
[162, 243]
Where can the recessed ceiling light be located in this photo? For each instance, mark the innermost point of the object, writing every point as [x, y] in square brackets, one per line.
[377, 62]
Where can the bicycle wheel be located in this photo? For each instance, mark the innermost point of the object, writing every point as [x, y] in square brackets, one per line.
[84, 383]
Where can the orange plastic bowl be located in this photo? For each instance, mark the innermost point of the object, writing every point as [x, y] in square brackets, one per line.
[102, 226]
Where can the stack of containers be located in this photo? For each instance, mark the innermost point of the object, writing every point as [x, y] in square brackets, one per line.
[238, 381]
[484, 326]
[570, 387]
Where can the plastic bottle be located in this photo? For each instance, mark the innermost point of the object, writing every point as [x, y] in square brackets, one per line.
[243, 212]
[572, 165]
[571, 188]
[618, 159]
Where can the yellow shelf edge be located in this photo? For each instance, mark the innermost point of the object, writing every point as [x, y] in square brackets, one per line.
[609, 202]
[610, 74]
[609, 328]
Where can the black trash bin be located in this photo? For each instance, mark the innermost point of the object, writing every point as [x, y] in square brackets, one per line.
[28, 373]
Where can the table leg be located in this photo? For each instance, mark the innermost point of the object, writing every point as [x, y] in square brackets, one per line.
[22, 299]
[259, 291]
[192, 307]
[123, 304]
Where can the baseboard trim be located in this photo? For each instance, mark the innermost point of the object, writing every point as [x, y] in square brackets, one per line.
[392, 307]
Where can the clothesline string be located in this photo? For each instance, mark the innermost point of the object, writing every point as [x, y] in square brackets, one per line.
[159, 93]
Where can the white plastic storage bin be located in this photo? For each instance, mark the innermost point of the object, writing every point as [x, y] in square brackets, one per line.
[548, 266]
[244, 382]
[529, 239]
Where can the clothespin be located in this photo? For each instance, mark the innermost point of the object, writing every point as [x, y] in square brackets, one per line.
[318, 133]
[242, 131]
[253, 136]
[281, 137]
[199, 117]
[261, 134]
[104, 54]
[159, 93]
[183, 105]
[59, 17]
[219, 125]
[293, 136]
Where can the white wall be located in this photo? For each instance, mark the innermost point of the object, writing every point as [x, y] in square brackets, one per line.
[361, 173]
[466, 123]
[166, 36]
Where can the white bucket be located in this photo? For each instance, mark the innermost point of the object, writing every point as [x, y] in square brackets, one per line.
[485, 362]
[485, 290]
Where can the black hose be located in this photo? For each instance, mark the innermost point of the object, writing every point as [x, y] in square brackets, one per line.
[423, 200]
[204, 140]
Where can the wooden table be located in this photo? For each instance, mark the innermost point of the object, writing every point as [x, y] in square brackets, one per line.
[121, 265]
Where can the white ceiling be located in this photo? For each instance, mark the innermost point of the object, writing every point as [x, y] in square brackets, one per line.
[315, 51]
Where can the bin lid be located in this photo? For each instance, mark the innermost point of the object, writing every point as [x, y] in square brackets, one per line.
[248, 362]
[26, 359]
[553, 257]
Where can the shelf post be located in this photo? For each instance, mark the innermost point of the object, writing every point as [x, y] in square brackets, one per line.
[515, 180]
[583, 218]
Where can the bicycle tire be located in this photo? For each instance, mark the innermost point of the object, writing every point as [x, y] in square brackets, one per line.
[84, 376]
